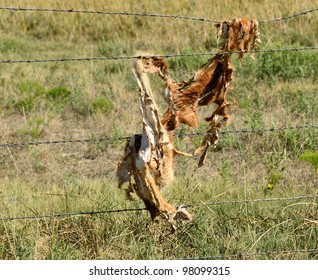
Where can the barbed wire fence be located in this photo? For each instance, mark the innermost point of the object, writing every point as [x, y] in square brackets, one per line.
[239, 255]
[189, 205]
[111, 139]
[151, 15]
[73, 59]
[70, 11]
[125, 138]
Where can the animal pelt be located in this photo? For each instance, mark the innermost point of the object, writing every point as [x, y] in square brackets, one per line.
[209, 85]
[149, 157]
[148, 161]
[238, 35]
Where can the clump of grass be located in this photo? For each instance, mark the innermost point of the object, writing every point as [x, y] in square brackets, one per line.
[311, 157]
[102, 104]
[58, 93]
[29, 91]
[281, 66]
[11, 45]
[33, 128]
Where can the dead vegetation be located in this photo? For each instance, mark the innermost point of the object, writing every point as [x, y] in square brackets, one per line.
[149, 157]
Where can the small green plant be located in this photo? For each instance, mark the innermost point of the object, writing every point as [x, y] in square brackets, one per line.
[34, 128]
[311, 157]
[12, 45]
[25, 104]
[225, 169]
[274, 163]
[254, 119]
[273, 180]
[300, 101]
[108, 48]
[102, 104]
[281, 66]
[31, 88]
[28, 93]
[58, 93]
[117, 132]
[80, 103]
[36, 156]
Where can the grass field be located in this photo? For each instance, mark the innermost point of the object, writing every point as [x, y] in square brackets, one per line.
[93, 99]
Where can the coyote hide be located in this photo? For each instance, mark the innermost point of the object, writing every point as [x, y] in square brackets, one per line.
[148, 158]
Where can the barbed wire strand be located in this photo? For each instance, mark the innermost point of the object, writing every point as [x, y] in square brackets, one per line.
[70, 11]
[61, 215]
[250, 130]
[125, 138]
[108, 139]
[129, 57]
[152, 15]
[250, 201]
[289, 17]
[245, 255]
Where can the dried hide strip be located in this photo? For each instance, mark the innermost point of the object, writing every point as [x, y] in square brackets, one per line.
[209, 85]
[148, 157]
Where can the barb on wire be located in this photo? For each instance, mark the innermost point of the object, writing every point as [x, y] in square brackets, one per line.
[73, 59]
[246, 255]
[289, 17]
[250, 130]
[110, 139]
[62, 215]
[152, 15]
[250, 201]
[70, 11]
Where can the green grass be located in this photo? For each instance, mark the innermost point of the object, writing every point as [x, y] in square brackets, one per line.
[229, 229]
[311, 157]
[81, 100]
